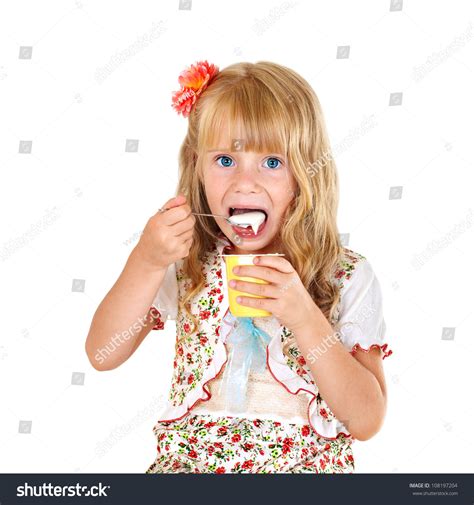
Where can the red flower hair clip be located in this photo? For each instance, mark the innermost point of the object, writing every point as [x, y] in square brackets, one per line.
[194, 80]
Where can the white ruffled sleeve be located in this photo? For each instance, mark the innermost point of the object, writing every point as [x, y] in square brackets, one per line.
[361, 323]
[165, 303]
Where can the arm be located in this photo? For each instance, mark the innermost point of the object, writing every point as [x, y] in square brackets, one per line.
[358, 396]
[122, 320]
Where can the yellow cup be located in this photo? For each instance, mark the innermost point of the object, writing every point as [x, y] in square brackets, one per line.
[236, 309]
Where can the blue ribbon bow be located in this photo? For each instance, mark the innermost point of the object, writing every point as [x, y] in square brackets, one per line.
[248, 353]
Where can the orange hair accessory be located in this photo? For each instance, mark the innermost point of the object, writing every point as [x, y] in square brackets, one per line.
[193, 80]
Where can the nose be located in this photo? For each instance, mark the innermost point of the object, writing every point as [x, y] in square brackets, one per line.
[246, 179]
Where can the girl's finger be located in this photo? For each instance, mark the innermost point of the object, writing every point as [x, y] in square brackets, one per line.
[187, 234]
[259, 303]
[183, 226]
[277, 262]
[172, 203]
[176, 214]
[260, 272]
[254, 288]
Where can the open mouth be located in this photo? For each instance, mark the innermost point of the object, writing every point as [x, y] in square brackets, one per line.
[248, 232]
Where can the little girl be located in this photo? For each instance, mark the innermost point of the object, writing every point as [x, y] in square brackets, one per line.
[289, 392]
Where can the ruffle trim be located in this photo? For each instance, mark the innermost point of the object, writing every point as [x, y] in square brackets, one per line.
[384, 348]
[172, 413]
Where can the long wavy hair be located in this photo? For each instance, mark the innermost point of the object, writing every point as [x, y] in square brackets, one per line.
[278, 111]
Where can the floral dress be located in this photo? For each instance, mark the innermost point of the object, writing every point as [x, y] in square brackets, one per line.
[206, 441]
[203, 443]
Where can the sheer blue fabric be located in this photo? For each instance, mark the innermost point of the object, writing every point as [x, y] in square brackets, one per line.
[248, 354]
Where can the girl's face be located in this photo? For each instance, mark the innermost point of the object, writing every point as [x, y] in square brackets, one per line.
[239, 179]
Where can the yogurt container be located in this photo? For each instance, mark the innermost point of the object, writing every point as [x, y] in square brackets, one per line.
[237, 309]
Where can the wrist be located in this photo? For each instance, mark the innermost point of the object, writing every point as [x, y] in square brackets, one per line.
[315, 324]
[138, 257]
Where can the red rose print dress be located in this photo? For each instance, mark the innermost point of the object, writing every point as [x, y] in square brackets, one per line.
[273, 432]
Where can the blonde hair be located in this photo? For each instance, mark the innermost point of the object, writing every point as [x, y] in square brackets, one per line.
[277, 111]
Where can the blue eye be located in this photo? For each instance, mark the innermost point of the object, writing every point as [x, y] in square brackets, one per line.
[274, 163]
[226, 158]
[273, 160]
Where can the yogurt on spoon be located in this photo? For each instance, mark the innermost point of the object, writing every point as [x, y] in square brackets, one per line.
[253, 219]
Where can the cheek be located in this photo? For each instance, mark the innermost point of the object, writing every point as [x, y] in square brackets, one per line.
[218, 180]
[283, 201]
[214, 189]
[290, 194]
[286, 194]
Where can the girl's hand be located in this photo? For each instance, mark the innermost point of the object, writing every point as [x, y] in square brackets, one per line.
[168, 235]
[286, 297]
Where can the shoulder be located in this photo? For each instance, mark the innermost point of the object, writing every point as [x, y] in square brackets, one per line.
[360, 290]
[352, 267]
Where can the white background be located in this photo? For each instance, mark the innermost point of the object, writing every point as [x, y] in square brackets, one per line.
[101, 73]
